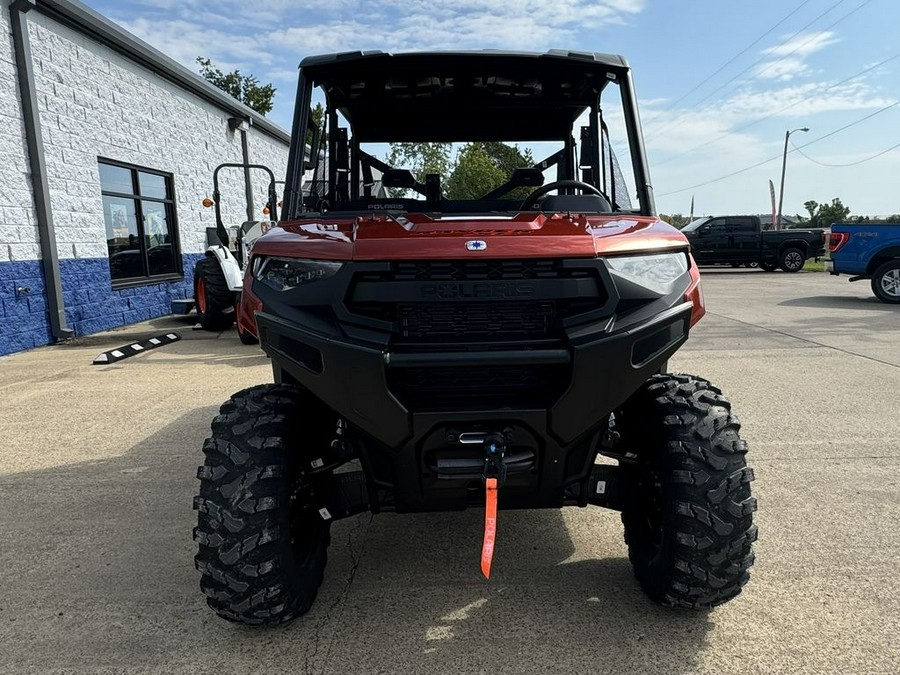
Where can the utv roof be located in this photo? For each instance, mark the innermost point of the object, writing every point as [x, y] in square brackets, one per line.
[462, 96]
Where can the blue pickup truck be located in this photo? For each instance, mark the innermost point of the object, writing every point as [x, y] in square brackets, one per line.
[868, 251]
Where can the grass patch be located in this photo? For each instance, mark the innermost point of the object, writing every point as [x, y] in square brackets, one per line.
[813, 266]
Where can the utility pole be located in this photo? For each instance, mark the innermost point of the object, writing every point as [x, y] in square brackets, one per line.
[787, 136]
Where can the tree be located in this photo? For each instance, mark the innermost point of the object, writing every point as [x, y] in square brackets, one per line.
[420, 159]
[245, 88]
[477, 168]
[475, 174]
[676, 220]
[481, 167]
[829, 214]
[811, 207]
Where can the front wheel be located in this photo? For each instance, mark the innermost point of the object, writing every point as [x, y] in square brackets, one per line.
[792, 260]
[688, 522]
[261, 541]
[886, 282]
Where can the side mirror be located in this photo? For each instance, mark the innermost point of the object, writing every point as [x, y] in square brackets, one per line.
[704, 229]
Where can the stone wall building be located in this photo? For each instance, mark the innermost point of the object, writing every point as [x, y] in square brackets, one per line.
[107, 149]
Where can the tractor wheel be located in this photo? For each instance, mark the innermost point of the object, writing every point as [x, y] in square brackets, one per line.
[792, 260]
[886, 282]
[689, 519]
[769, 266]
[262, 543]
[212, 298]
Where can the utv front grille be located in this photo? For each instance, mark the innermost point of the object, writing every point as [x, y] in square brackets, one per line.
[477, 300]
[513, 320]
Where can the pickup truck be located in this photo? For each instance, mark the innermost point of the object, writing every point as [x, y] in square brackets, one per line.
[868, 251]
[739, 240]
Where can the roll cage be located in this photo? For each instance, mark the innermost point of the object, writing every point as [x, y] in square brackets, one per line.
[451, 97]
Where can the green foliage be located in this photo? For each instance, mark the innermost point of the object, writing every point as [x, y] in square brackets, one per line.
[474, 175]
[676, 220]
[245, 88]
[825, 215]
[318, 118]
[477, 168]
[811, 206]
[420, 159]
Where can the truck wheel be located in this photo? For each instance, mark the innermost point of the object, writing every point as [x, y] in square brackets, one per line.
[769, 266]
[792, 260]
[688, 523]
[886, 282]
[262, 543]
[212, 298]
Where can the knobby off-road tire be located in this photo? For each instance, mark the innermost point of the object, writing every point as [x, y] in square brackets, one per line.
[262, 543]
[213, 300]
[886, 282]
[688, 523]
[792, 260]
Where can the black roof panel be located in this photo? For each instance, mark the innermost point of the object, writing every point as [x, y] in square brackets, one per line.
[462, 96]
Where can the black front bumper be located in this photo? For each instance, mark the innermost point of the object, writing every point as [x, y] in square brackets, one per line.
[551, 395]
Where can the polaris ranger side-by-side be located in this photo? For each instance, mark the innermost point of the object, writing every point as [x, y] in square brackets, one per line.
[471, 350]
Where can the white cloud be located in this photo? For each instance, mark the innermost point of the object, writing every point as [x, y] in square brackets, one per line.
[803, 45]
[789, 57]
[784, 70]
[712, 127]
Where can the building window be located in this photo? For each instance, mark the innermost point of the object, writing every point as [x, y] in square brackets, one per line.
[141, 231]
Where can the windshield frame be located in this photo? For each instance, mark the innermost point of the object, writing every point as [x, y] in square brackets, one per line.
[302, 156]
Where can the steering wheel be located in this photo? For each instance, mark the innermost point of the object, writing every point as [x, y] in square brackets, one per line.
[544, 189]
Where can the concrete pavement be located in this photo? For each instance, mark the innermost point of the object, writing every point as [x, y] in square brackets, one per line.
[97, 473]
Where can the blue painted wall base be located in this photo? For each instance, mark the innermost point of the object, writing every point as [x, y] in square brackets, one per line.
[91, 303]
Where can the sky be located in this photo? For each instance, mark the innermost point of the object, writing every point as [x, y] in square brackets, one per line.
[719, 82]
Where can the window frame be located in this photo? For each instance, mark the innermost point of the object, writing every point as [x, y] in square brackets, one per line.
[171, 216]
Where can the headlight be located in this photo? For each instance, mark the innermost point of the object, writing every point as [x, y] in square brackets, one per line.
[283, 274]
[655, 272]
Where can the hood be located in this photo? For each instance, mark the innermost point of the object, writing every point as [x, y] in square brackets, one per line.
[423, 237]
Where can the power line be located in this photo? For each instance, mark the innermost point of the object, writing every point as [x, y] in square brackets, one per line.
[678, 123]
[861, 161]
[779, 156]
[813, 37]
[735, 57]
[773, 114]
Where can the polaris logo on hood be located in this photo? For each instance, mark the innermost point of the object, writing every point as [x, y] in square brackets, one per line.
[475, 290]
[476, 245]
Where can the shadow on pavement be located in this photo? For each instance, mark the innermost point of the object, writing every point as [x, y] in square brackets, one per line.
[99, 577]
[837, 302]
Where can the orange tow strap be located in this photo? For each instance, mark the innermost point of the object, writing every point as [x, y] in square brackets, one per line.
[490, 526]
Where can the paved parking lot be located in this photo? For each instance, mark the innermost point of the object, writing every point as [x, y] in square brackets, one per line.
[97, 474]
